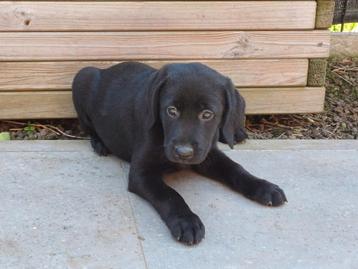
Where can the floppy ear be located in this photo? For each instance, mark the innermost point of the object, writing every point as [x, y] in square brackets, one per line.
[153, 96]
[233, 123]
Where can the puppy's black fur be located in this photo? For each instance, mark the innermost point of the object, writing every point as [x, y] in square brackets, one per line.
[164, 120]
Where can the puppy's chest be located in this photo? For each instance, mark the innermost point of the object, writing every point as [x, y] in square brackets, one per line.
[182, 166]
[173, 167]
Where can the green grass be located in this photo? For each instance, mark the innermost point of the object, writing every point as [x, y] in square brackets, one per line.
[348, 27]
[4, 136]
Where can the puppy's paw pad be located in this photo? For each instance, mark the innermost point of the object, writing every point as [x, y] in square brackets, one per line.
[187, 229]
[269, 194]
[99, 148]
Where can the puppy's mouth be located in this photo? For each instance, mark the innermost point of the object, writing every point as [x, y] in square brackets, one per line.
[181, 161]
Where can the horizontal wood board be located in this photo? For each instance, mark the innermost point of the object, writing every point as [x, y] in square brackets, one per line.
[37, 46]
[156, 15]
[44, 43]
[59, 75]
[32, 105]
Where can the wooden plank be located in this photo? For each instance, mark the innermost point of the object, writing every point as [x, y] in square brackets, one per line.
[59, 75]
[34, 105]
[163, 45]
[94, 1]
[344, 44]
[284, 100]
[169, 15]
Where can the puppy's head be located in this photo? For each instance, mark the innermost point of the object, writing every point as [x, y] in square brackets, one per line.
[196, 106]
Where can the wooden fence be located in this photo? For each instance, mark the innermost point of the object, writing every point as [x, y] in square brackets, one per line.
[272, 50]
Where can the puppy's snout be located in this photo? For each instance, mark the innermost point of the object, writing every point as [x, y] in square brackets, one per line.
[184, 152]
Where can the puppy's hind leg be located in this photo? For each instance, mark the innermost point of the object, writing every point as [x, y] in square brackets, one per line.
[98, 146]
[96, 142]
[84, 87]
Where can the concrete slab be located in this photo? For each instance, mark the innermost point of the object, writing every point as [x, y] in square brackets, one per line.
[64, 207]
[65, 210]
[82, 145]
[316, 229]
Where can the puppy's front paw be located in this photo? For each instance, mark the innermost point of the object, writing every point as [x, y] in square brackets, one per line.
[187, 229]
[269, 194]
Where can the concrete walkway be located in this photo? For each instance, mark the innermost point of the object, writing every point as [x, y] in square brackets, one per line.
[61, 206]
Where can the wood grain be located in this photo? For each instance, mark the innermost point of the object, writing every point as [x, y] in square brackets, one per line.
[284, 100]
[163, 45]
[344, 44]
[156, 15]
[33, 105]
[59, 75]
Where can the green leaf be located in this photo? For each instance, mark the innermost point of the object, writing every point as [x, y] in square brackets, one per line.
[4, 136]
[29, 128]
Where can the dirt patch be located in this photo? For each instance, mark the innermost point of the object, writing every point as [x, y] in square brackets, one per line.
[338, 121]
[43, 129]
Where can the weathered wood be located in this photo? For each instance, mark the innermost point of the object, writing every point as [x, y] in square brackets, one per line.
[284, 100]
[156, 15]
[163, 45]
[33, 105]
[59, 75]
[324, 15]
[94, 1]
[316, 72]
[344, 44]
[44, 43]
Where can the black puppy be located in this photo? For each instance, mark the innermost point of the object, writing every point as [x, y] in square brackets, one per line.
[164, 120]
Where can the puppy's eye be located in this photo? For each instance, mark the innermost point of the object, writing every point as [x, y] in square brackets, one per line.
[206, 115]
[173, 112]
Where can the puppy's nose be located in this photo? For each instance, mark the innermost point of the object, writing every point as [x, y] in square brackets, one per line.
[184, 151]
